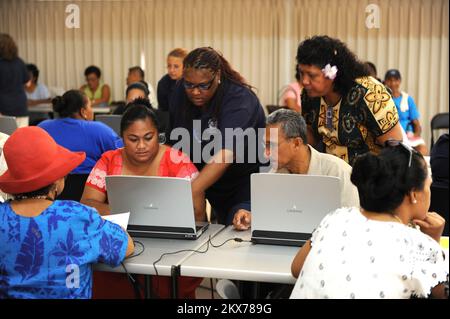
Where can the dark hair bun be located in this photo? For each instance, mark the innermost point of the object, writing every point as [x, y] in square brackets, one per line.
[384, 180]
[69, 104]
[58, 104]
[373, 175]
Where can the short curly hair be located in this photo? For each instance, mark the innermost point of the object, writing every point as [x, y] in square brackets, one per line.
[323, 50]
[93, 69]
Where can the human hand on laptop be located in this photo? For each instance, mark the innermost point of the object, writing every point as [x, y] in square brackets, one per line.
[242, 219]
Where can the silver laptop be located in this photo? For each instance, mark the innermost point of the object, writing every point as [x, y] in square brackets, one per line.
[286, 208]
[159, 207]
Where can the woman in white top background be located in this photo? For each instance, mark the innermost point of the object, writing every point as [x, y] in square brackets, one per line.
[371, 252]
[291, 96]
[37, 92]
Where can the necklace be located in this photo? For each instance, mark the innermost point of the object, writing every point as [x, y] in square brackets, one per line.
[369, 215]
[329, 117]
[329, 114]
[34, 197]
[398, 219]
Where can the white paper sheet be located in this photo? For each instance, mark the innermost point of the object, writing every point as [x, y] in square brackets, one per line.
[119, 219]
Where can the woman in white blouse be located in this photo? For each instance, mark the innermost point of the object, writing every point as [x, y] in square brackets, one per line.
[372, 251]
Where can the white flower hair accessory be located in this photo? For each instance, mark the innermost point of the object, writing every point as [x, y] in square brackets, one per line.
[330, 71]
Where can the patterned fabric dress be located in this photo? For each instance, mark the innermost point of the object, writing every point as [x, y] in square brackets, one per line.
[351, 127]
[353, 257]
[50, 255]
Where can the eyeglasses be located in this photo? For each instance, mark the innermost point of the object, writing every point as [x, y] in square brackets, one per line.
[200, 86]
[394, 143]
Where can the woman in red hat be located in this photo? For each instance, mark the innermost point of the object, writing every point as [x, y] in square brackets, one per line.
[48, 245]
[142, 155]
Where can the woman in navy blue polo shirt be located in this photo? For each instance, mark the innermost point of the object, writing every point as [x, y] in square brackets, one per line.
[209, 102]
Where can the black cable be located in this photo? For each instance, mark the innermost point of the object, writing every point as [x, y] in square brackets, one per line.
[133, 281]
[236, 239]
[209, 242]
[177, 252]
[138, 254]
[212, 287]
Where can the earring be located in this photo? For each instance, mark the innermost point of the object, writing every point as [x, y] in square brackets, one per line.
[414, 201]
[162, 138]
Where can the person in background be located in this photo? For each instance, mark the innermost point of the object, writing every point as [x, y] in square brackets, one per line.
[348, 112]
[136, 90]
[142, 155]
[407, 111]
[372, 69]
[136, 74]
[76, 131]
[98, 93]
[372, 252]
[174, 73]
[291, 97]
[214, 98]
[37, 93]
[138, 93]
[13, 76]
[289, 151]
[49, 246]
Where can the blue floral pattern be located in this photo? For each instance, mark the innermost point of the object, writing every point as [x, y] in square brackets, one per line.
[110, 248]
[54, 219]
[4, 282]
[14, 227]
[31, 254]
[68, 252]
[36, 252]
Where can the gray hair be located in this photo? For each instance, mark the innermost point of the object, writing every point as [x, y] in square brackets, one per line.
[291, 122]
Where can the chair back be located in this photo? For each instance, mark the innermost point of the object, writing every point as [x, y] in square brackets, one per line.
[439, 121]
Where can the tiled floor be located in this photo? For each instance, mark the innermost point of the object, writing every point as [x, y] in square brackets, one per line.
[204, 291]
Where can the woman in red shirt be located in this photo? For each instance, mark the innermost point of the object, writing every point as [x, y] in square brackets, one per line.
[142, 155]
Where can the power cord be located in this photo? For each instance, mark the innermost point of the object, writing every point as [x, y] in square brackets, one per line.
[173, 253]
[236, 239]
[136, 284]
[133, 281]
[209, 242]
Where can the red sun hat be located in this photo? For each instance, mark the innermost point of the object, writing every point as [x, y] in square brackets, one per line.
[35, 161]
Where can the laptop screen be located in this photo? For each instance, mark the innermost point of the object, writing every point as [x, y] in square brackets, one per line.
[152, 201]
[296, 204]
